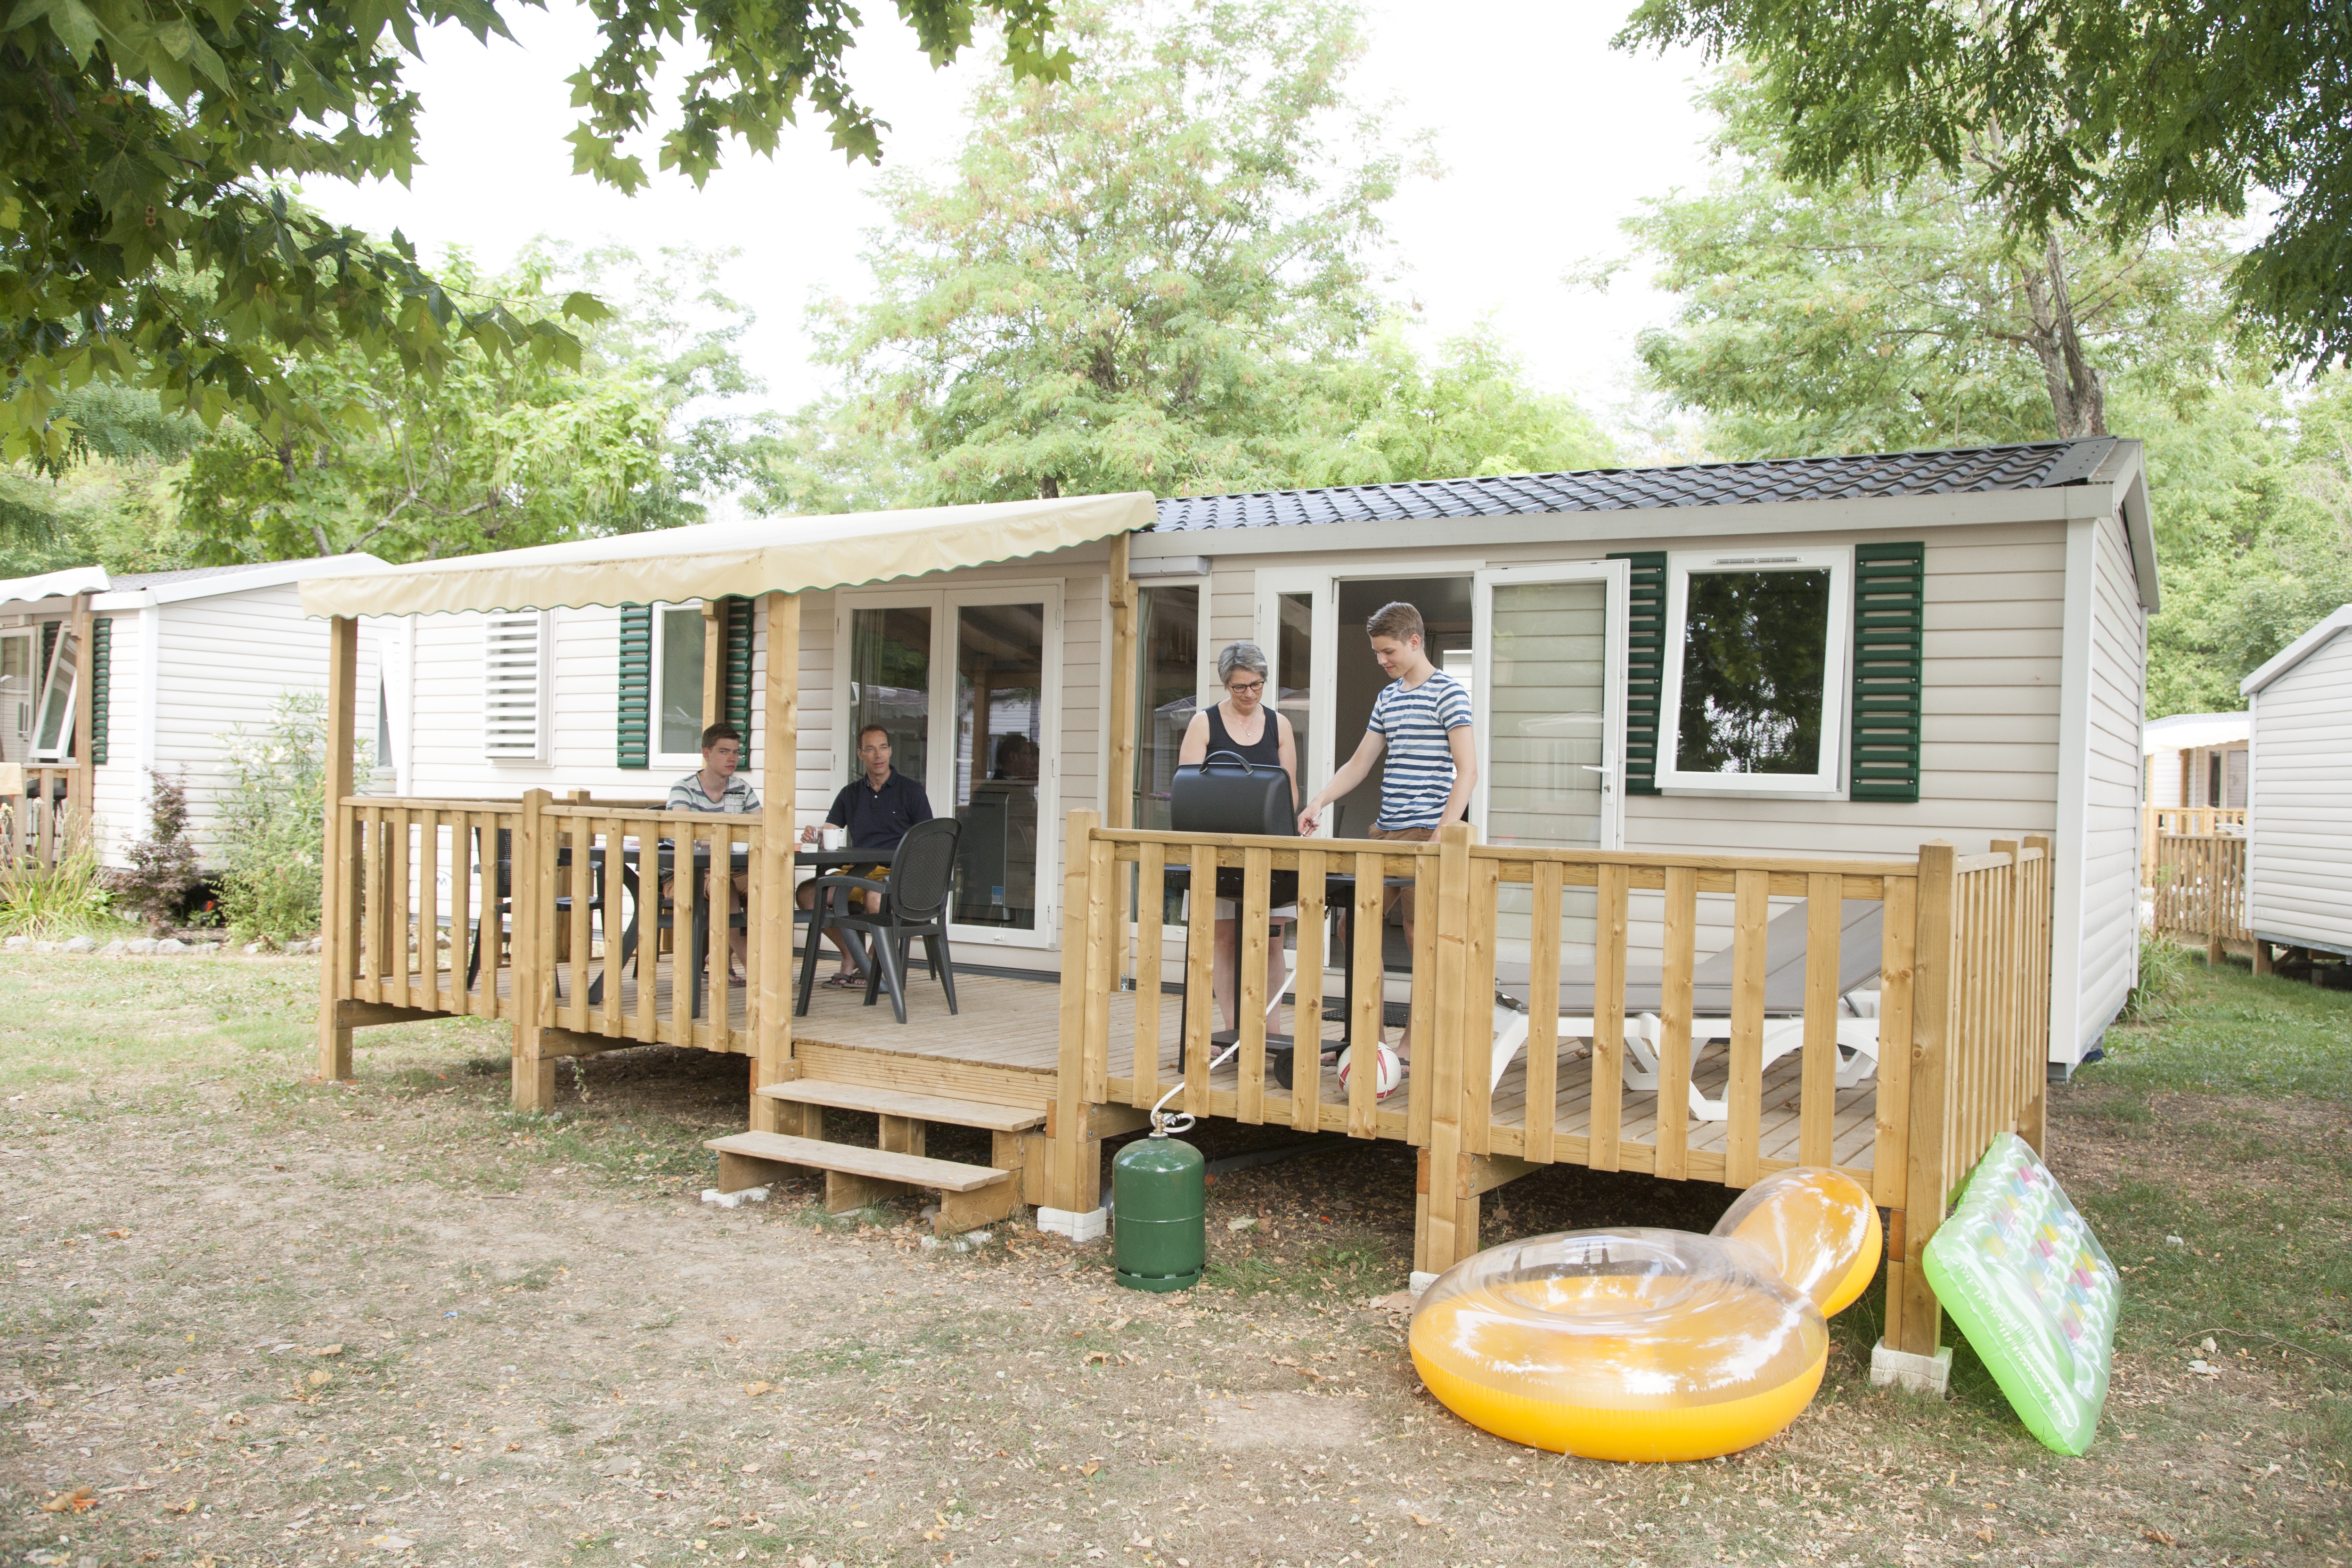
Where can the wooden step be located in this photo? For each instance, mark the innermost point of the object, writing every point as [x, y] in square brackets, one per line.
[970, 1195]
[901, 1103]
[877, 1165]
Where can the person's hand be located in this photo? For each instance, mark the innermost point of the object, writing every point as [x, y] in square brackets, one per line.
[808, 835]
[1310, 820]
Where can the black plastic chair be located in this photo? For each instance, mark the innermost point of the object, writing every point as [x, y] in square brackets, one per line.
[914, 903]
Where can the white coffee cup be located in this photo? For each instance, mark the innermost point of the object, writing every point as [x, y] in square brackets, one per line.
[831, 837]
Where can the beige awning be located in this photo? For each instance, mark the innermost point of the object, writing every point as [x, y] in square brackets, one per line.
[756, 555]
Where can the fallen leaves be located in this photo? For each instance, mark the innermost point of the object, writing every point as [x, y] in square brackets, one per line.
[321, 1379]
[391, 1543]
[2158, 1537]
[328, 1350]
[1090, 1467]
[757, 1387]
[1421, 1519]
[80, 1499]
[117, 1234]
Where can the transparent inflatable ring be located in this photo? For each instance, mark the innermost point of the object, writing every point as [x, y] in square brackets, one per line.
[1653, 1344]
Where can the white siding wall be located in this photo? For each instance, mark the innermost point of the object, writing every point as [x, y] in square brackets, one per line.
[119, 790]
[223, 662]
[2299, 832]
[2118, 680]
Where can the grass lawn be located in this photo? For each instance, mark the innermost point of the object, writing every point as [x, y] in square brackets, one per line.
[266, 1321]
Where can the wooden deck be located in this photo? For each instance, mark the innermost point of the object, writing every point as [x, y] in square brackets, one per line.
[1009, 1031]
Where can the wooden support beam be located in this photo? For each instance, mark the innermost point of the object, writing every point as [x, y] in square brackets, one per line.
[336, 894]
[1446, 1223]
[714, 663]
[371, 1015]
[772, 876]
[1076, 1182]
[1933, 998]
[533, 1073]
[1119, 787]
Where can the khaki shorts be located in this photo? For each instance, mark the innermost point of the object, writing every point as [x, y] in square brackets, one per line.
[1402, 898]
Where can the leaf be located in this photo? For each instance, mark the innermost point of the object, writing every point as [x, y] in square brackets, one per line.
[79, 1501]
[757, 1387]
[1421, 1519]
[76, 29]
[328, 1350]
[1090, 1467]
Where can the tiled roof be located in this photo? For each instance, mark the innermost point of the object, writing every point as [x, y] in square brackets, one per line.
[2037, 465]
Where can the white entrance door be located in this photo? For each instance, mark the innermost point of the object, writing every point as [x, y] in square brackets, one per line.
[1549, 704]
[1550, 701]
[968, 683]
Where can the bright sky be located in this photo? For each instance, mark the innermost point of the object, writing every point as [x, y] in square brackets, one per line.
[1548, 135]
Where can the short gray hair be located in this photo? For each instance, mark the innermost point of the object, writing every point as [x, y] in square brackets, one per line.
[1241, 656]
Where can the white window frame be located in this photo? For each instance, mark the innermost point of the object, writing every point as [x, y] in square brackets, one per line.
[1204, 668]
[64, 664]
[493, 627]
[20, 726]
[656, 667]
[1829, 783]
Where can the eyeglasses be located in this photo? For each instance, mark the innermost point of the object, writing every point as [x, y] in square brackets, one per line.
[1245, 687]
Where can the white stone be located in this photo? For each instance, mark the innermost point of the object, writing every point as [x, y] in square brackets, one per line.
[1079, 1225]
[116, 946]
[140, 945]
[1422, 1281]
[734, 1200]
[81, 945]
[170, 944]
[1930, 1375]
[254, 947]
[17, 944]
[45, 947]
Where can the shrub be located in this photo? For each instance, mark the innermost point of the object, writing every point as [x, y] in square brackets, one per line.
[272, 841]
[2164, 980]
[60, 899]
[163, 871]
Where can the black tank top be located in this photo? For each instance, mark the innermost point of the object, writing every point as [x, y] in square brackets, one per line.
[1265, 749]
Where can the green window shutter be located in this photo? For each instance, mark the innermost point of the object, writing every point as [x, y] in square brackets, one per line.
[1646, 660]
[1890, 586]
[49, 630]
[636, 684]
[735, 668]
[101, 671]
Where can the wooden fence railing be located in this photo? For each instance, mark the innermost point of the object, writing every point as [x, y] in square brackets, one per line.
[38, 811]
[2200, 886]
[553, 915]
[2197, 821]
[1957, 989]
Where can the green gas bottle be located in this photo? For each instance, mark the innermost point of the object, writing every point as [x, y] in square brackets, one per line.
[1160, 1212]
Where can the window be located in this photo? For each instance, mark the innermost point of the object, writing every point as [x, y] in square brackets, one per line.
[1168, 688]
[53, 739]
[514, 686]
[677, 682]
[1754, 698]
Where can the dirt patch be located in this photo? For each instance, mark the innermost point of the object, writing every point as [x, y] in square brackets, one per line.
[271, 1324]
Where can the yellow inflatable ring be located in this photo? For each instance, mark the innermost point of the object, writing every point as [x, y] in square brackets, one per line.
[1637, 1344]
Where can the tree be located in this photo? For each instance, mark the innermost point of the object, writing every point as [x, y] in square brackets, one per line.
[1391, 415]
[1854, 316]
[146, 151]
[1129, 282]
[2113, 115]
[495, 452]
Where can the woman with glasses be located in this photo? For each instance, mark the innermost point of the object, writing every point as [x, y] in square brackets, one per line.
[1243, 725]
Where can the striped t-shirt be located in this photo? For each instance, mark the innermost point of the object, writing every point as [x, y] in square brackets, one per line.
[1418, 772]
[687, 794]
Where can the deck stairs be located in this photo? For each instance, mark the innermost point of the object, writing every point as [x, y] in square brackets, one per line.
[854, 1177]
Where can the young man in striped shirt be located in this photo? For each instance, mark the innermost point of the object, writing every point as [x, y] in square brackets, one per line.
[1420, 722]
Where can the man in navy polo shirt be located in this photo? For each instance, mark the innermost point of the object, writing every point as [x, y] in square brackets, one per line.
[877, 809]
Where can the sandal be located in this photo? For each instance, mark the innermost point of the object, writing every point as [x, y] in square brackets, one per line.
[843, 980]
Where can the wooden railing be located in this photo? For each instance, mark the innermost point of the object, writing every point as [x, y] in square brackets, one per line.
[2197, 821]
[1955, 1010]
[35, 813]
[551, 915]
[2200, 886]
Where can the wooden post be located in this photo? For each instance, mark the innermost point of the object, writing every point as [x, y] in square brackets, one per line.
[714, 666]
[771, 924]
[2261, 956]
[1447, 1222]
[1933, 997]
[1074, 1159]
[2034, 1126]
[336, 891]
[81, 794]
[1118, 788]
[533, 1086]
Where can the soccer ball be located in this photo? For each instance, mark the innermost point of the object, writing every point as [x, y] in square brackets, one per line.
[1392, 1073]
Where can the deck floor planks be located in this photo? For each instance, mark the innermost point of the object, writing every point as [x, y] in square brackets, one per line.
[1013, 1023]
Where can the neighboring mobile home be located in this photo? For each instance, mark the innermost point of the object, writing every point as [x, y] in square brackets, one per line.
[2196, 760]
[137, 674]
[2299, 811]
[1953, 643]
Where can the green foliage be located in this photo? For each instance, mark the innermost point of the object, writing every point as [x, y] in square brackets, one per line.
[2165, 981]
[63, 898]
[147, 234]
[2114, 115]
[271, 835]
[495, 452]
[1159, 276]
[1851, 317]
